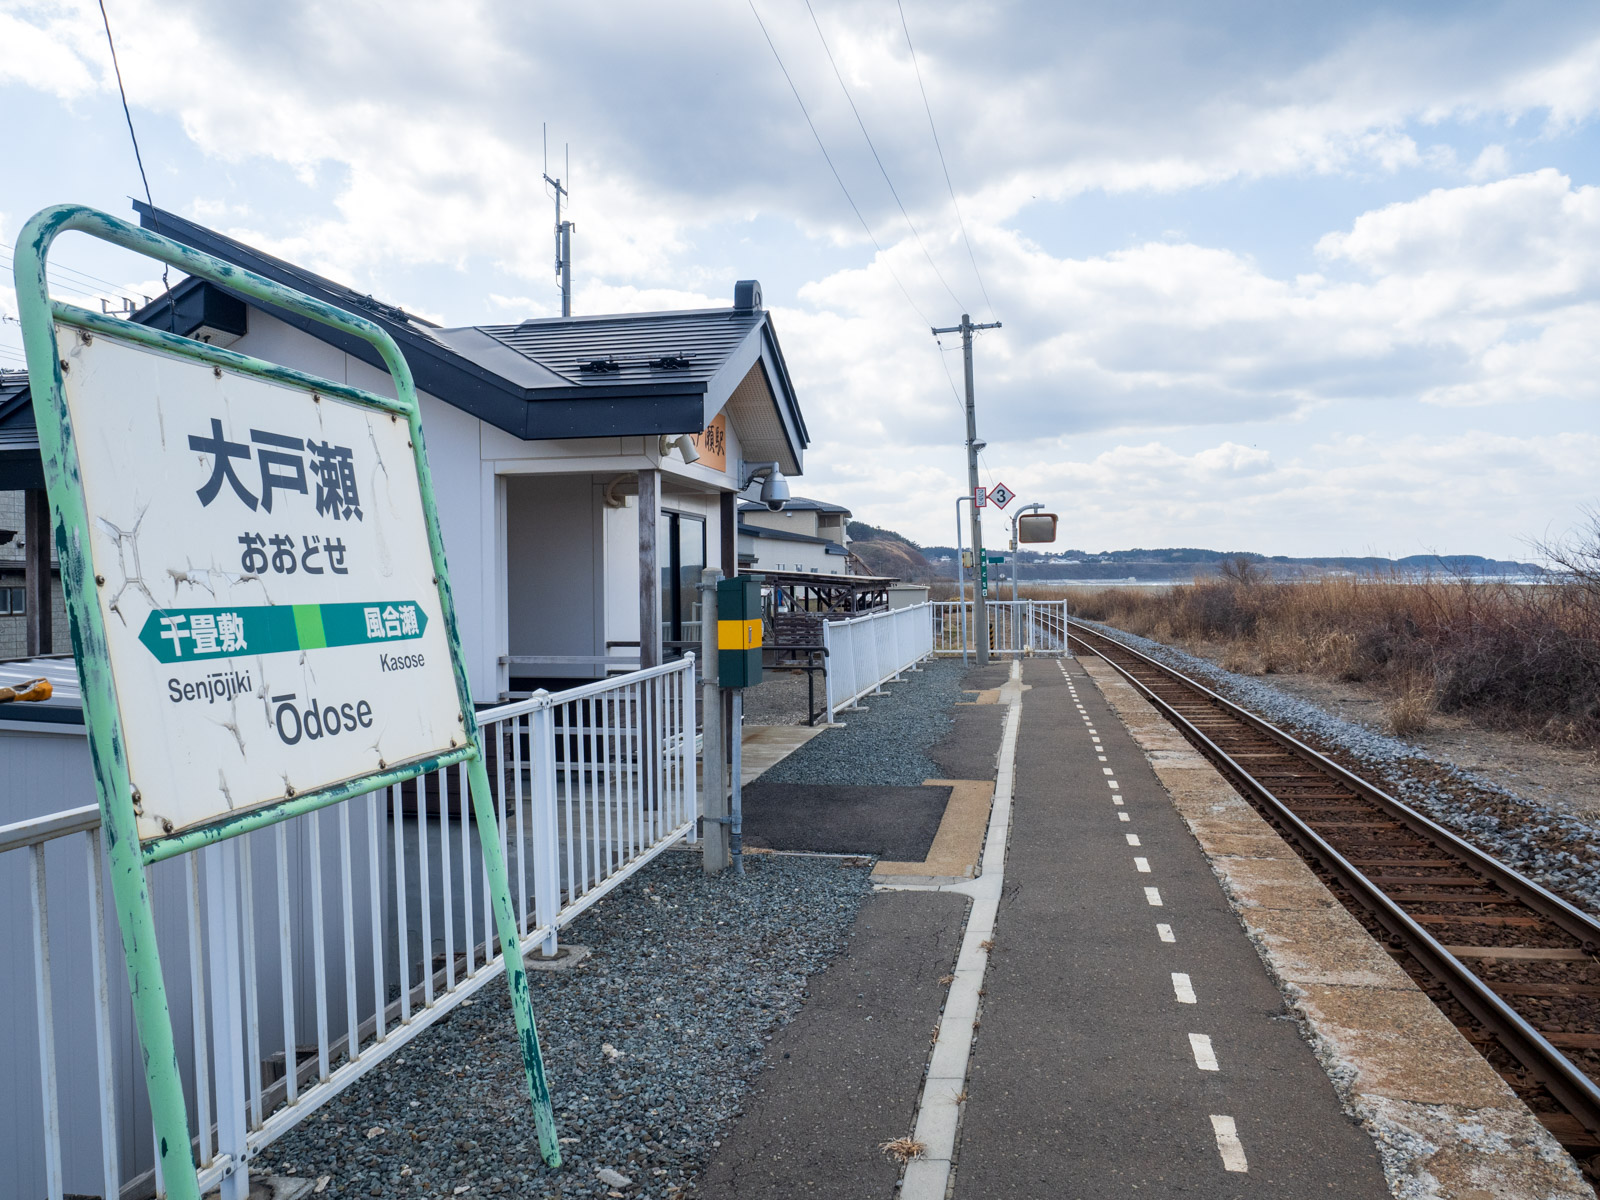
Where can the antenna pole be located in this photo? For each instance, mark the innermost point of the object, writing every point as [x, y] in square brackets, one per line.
[563, 240]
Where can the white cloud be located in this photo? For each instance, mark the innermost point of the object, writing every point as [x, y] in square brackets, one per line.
[45, 48]
[413, 132]
[1492, 162]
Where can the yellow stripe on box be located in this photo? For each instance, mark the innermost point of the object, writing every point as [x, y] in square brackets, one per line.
[739, 635]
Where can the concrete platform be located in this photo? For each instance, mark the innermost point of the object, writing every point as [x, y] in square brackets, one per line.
[842, 1079]
[1131, 1040]
[957, 847]
[1446, 1122]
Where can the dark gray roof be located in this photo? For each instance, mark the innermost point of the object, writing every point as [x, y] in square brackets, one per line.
[500, 373]
[798, 504]
[20, 466]
[693, 344]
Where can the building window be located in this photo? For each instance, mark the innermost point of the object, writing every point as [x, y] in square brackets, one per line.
[13, 601]
[681, 556]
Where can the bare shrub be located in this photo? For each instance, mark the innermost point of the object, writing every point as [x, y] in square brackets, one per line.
[1335, 654]
[1283, 652]
[1238, 659]
[1407, 713]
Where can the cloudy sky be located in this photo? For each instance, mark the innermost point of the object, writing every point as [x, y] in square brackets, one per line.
[1296, 278]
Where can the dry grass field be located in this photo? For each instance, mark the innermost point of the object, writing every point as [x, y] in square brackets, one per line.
[1507, 656]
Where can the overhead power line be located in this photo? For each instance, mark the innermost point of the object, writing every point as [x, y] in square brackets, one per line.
[829, 159]
[928, 108]
[166, 282]
[884, 171]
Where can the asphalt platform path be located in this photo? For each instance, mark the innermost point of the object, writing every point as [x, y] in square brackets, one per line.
[843, 1078]
[1111, 1061]
[892, 822]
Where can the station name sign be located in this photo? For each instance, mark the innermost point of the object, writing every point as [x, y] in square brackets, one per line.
[263, 571]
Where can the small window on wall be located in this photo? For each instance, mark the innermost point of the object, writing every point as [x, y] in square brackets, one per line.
[12, 601]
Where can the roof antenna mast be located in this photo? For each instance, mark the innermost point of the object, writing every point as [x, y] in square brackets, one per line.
[563, 228]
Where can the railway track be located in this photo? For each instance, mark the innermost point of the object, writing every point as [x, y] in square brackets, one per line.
[1516, 968]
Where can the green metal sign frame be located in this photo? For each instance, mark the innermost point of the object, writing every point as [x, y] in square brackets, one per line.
[69, 523]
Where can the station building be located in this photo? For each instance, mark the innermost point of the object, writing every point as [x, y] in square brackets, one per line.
[586, 469]
[804, 536]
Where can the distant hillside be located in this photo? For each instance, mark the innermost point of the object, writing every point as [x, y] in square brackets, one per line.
[1188, 562]
[884, 552]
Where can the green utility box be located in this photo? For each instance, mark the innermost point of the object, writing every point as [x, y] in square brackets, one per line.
[739, 631]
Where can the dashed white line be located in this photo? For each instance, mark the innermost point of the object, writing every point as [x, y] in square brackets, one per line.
[1112, 784]
[1153, 897]
[1107, 771]
[1116, 799]
[1142, 865]
[1133, 838]
[1204, 1056]
[1164, 932]
[1102, 758]
[1122, 816]
[1228, 1144]
[1182, 988]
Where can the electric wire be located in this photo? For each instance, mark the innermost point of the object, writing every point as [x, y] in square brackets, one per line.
[884, 171]
[57, 283]
[829, 159]
[74, 274]
[928, 108]
[960, 404]
[166, 282]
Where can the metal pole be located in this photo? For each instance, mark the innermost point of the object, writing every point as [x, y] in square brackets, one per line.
[714, 839]
[1015, 564]
[563, 241]
[736, 809]
[566, 268]
[505, 920]
[961, 583]
[980, 616]
[980, 612]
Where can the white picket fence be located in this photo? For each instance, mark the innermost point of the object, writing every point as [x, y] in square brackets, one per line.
[339, 935]
[864, 653]
[1016, 627]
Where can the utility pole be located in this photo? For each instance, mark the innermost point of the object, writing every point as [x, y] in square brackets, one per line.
[980, 613]
[563, 235]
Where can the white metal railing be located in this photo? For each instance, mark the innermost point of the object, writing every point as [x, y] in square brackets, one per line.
[1016, 627]
[864, 653]
[300, 956]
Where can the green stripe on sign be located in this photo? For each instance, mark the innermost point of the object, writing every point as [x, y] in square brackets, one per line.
[177, 635]
[308, 625]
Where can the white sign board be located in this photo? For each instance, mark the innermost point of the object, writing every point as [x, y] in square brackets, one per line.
[262, 567]
[1001, 494]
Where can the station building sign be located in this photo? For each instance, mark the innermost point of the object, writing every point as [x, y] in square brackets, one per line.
[263, 572]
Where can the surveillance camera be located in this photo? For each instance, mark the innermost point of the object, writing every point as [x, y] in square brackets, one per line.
[775, 492]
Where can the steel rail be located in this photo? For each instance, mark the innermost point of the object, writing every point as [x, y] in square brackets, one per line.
[1574, 1090]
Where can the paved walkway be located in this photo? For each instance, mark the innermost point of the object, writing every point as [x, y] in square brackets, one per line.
[1131, 1042]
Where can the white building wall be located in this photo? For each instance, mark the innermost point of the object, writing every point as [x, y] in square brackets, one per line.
[774, 554]
[472, 464]
[555, 573]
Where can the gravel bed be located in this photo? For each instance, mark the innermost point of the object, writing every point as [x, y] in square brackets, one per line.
[650, 1045]
[1553, 848]
[886, 745]
[780, 699]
